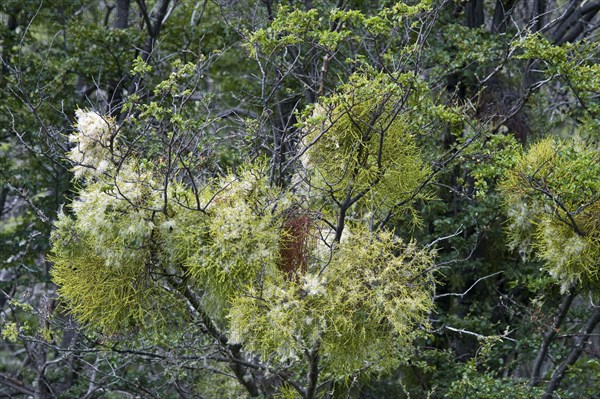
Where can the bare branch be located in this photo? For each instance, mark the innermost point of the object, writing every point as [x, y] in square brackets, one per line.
[462, 295]
[573, 355]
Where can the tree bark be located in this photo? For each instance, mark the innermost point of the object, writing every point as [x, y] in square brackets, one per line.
[312, 378]
[122, 17]
[154, 22]
[575, 20]
[474, 13]
[41, 388]
[3, 196]
[548, 337]
[537, 17]
[502, 12]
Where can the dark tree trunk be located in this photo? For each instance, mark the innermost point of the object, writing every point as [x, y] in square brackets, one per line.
[573, 355]
[574, 22]
[474, 13]
[502, 12]
[539, 9]
[122, 17]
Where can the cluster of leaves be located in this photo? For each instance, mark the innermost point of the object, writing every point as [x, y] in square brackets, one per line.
[478, 382]
[237, 247]
[321, 27]
[576, 64]
[102, 256]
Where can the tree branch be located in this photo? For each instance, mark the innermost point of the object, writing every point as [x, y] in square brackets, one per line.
[573, 355]
[15, 384]
[313, 371]
[234, 350]
[549, 336]
[575, 17]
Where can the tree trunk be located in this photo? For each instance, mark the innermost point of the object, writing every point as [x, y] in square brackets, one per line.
[474, 13]
[539, 9]
[573, 355]
[122, 17]
[549, 335]
[501, 15]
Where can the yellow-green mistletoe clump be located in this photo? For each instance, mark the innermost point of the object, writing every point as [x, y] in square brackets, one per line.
[137, 249]
[240, 242]
[126, 230]
[360, 143]
[111, 297]
[359, 308]
[104, 248]
[551, 197]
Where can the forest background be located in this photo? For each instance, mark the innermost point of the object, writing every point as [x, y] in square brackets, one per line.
[332, 199]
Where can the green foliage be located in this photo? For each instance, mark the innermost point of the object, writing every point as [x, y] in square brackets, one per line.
[112, 298]
[10, 331]
[123, 235]
[176, 247]
[466, 49]
[573, 62]
[576, 64]
[585, 374]
[103, 257]
[488, 159]
[297, 26]
[478, 382]
[325, 31]
[103, 254]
